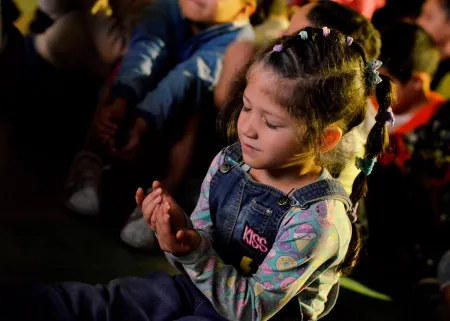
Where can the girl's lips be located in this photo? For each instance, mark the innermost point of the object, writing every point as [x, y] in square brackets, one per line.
[248, 148]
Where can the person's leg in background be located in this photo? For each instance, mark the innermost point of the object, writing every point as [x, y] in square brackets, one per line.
[104, 41]
[83, 183]
[136, 232]
[159, 297]
[180, 156]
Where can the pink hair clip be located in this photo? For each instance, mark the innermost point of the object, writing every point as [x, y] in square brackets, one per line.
[278, 48]
[326, 31]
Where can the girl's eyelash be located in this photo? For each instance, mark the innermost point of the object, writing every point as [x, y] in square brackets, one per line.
[245, 109]
[270, 125]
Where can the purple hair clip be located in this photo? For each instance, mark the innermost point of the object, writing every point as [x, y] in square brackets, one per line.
[386, 118]
[278, 48]
[326, 31]
[349, 41]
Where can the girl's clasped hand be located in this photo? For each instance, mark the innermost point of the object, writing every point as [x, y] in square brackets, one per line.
[166, 218]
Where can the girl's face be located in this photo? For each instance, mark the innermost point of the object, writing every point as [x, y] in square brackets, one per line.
[269, 136]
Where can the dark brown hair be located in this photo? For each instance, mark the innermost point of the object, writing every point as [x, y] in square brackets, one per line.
[351, 23]
[322, 81]
[267, 7]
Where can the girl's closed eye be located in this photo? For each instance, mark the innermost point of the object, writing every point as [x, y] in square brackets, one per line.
[272, 125]
[245, 109]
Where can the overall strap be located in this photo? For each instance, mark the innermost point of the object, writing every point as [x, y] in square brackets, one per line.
[233, 152]
[325, 189]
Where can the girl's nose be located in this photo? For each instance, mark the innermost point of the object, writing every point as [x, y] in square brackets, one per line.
[249, 126]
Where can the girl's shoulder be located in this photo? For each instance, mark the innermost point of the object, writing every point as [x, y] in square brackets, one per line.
[230, 155]
[223, 157]
[323, 216]
[326, 192]
[327, 212]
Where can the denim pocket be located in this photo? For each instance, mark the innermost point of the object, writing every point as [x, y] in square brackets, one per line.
[258, 216]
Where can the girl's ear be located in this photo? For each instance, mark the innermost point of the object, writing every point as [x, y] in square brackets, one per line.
[331, 137]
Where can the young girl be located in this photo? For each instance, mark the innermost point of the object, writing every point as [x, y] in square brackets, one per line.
[272, 231]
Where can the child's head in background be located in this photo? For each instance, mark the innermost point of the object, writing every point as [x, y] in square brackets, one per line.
[410, 58]
[339, 17]
[269, 8]
[213, 12]
[298, 98]
[435, 19]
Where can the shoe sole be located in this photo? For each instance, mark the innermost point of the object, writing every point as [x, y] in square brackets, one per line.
[77, 211]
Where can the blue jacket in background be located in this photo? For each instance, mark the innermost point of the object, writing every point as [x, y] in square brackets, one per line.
[166, 68]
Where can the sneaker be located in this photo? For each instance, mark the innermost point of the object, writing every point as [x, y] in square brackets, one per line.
[136, 233]
[83, 184]
[137, 212]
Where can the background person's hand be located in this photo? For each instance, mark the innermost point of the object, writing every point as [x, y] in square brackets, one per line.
[107, 118]
[133, 145]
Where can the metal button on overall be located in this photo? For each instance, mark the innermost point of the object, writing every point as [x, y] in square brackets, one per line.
[225, 168]
[282, 201]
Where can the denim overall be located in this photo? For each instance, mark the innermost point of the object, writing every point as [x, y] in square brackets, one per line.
[239, 204]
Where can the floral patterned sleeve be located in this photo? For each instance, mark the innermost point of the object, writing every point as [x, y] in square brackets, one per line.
[302, 247]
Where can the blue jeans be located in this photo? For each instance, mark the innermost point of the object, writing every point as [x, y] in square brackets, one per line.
[158, 297]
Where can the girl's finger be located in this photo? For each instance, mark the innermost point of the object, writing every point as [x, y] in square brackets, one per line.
[156, 185]
[165, 224]
[140, 196]
[163, 192]
[164, 227]
[149, 208]
[150, 197]
[158, 223]
[154, 217]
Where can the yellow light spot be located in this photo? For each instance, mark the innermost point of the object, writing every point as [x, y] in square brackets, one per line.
[101, 6]
[245, 264]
